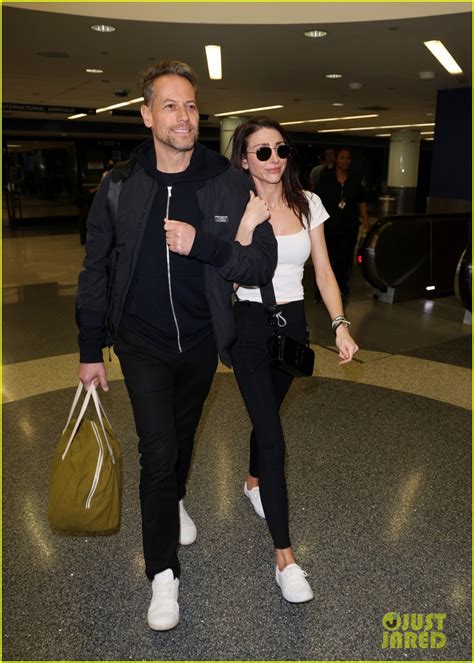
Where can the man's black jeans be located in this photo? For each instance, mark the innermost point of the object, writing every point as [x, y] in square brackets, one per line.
[167, 393]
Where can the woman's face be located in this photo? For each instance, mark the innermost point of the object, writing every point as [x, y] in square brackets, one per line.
[268, 172]
[343, 160]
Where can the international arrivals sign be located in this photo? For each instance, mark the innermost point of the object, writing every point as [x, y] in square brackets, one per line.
[42, 108]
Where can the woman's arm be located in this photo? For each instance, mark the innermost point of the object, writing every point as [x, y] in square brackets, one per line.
[330, 294]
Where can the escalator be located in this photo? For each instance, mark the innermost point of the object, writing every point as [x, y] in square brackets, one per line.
[463, 282]
[414, 255]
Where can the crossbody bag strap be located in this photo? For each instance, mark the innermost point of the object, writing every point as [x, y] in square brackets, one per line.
[272, 309]
[268, 294]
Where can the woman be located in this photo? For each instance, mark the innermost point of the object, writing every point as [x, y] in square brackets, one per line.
[344, 199]
[262, 148]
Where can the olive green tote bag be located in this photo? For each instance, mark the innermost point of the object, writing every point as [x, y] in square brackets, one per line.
[86, 473]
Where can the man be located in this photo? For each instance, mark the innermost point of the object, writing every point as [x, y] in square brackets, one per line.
[159, 289]
[326, 162]
[344, 198]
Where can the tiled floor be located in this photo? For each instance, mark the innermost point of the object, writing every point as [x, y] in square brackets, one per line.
[378, 469]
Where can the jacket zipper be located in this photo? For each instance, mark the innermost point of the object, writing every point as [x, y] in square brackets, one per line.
[98, 468]
[178, 336]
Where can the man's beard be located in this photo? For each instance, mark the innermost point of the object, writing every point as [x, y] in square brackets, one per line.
[178, 145]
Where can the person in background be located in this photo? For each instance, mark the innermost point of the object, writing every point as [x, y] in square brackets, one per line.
[326, 162]
[344, 198]
[263, 150]
[157, 284]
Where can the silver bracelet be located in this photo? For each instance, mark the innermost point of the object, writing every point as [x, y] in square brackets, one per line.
[339, 320]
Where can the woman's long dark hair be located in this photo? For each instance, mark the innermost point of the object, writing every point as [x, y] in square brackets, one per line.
[292, 189]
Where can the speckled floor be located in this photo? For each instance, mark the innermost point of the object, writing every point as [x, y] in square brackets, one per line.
[379, 478]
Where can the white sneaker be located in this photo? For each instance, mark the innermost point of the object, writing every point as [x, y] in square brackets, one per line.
[187, 529]
[293, 584]
[255, 499]
[163, 613]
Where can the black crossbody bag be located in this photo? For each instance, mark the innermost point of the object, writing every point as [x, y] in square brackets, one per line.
[289, 355]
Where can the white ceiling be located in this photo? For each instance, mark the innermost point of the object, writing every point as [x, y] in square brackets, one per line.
[263, 63]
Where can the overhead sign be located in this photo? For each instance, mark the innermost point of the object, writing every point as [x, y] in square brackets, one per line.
[42, 108]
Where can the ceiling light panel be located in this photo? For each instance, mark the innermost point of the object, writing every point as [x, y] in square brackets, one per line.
[332, 119]
[387, 126]
[123, 103]
[214, 62]
[248, 110]
[441, 53]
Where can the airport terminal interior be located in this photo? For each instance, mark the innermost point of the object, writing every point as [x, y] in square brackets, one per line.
[378, 451]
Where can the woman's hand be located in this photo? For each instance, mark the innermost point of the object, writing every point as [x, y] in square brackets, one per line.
[345, 344]
[256, 212]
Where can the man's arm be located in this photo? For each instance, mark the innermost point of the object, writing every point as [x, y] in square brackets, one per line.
[248, 265]
[91, 302]
[364, 215]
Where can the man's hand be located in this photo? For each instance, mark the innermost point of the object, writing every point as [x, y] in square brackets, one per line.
[179, 236]
[95, 373]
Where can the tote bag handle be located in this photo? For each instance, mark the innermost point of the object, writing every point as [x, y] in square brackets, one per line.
[99, 409]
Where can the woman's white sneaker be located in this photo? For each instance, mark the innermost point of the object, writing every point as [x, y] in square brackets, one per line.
[255, 499]
[293, 584]
[163, 613]
[187, 529]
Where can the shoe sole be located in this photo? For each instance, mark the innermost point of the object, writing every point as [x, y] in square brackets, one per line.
[163, 628]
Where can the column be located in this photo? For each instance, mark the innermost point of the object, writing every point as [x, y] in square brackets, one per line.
[403, 168]
[228, 126]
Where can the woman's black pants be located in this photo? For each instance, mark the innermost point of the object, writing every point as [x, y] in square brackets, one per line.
[263, 389]
[167, 393]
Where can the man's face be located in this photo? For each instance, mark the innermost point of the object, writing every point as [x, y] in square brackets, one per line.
[173, 116]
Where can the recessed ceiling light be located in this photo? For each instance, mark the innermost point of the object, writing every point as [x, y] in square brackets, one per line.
[337, 103]
[441, 53]
[247, 110]
[315, 33]
[355, 86]
[333, 75]
[95, 71]
[383, 135]
[103, 28]
[76, 117]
